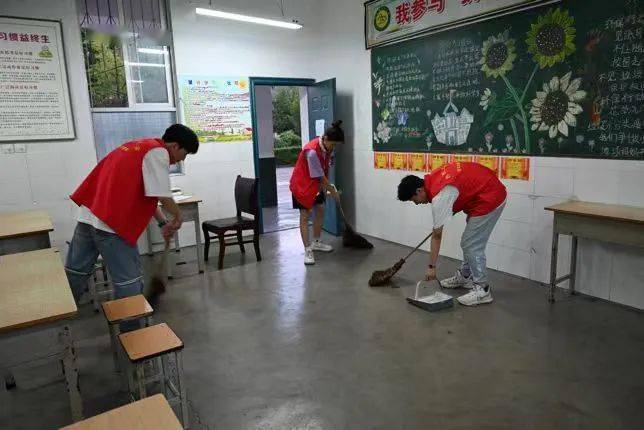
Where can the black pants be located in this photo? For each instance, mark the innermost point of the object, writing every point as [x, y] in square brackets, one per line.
[319, 200]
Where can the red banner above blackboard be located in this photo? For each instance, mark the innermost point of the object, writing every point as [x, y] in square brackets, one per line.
[387, 21]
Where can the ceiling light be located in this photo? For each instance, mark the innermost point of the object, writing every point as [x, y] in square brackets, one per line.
[246, 18]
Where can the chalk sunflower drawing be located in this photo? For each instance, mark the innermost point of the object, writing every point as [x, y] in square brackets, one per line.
[552, 38]
[499, 53]
[555, 109]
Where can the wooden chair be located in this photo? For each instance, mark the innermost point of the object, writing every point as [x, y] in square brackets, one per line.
[246, 202]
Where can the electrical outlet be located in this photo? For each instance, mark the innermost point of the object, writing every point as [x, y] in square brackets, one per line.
[20, 148]
[8, 149]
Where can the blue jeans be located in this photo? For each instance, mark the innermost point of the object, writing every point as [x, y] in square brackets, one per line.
[473, 242]
[122, 261]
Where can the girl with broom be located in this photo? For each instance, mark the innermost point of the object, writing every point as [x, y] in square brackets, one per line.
[309, 184]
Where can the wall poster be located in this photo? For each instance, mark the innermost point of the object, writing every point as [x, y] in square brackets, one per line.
[34, 93]
[216, 108]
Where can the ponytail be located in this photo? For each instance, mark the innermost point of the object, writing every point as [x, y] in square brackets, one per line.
[335, 133]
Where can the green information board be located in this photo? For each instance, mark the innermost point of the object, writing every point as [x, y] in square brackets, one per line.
[556, 80]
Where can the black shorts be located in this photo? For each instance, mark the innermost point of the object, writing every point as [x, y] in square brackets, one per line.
[319, 200]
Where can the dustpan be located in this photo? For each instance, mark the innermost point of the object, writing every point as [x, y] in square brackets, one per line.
[435, 301]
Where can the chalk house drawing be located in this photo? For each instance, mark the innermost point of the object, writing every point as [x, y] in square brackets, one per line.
[452, 128]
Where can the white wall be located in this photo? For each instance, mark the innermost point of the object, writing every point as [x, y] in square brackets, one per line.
[521, 242]
[44, 176]
[207, 46]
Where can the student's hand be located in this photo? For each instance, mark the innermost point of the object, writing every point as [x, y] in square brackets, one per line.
[431, 274]
[176, 222]
[167, 232]
[334, 192]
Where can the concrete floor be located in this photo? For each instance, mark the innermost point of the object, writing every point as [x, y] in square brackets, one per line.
[282, 216]
[275, 345]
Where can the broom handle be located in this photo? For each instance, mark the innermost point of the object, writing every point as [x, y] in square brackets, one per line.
[344, 218]
[418, 246]
[163, 265]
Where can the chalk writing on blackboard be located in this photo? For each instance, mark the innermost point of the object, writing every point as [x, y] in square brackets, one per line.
[618, 111]
[456, 67]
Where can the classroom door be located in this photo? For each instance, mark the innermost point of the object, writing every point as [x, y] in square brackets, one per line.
[321, 100]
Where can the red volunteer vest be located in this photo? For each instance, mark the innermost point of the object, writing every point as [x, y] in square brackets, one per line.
[479, 190]
[114, 190]
[303, 187]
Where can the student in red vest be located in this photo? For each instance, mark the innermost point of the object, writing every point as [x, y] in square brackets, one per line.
[475, 190]
[309, 183]
[117, 200]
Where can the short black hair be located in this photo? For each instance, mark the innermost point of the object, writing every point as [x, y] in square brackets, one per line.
[408, 186]
[184, 136]
[335, 133]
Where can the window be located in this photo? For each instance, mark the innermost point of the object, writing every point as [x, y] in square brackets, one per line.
[133, 74]
[126, 54]
[105, 70]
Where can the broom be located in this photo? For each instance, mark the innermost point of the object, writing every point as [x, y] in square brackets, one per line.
[350, 238]
[381, 277]
[159, 277]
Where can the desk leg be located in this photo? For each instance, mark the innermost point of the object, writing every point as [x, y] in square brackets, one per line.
[553, 266]
[71, 374]
[573, 264]
[198, 239]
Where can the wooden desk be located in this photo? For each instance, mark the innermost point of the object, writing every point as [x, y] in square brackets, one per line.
[35, 296]
[190, 212]
[608, 223]
[151, 413]
[24, 231]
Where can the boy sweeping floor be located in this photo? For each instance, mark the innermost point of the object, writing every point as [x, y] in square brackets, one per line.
[475, 190]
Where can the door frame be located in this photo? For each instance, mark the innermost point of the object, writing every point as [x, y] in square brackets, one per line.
[273, 82]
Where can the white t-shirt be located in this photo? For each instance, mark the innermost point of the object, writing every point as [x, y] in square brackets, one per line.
[443, 204]
[156, 181]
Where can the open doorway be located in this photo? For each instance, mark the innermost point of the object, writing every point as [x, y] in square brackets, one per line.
[281, 111]
[316, 102]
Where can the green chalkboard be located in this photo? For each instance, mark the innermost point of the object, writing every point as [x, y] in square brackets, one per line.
[556, 80]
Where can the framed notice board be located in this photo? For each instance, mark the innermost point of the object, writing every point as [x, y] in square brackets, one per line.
[562, 79]
[34, 92]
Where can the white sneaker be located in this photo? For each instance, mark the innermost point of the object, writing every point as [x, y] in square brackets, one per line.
[457, 281]
[478, 296]
[309, 259]
[318, 245]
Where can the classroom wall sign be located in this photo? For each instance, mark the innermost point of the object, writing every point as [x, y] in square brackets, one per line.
[216, 108]
[381, 160]
[515, 168]
[491, 162]
[418, 162]
[34, 92]
[399, 161]
[437, 160]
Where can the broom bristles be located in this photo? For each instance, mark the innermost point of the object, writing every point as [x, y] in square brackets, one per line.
[156, 288]
[351, 239]
[381, 277]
